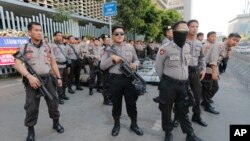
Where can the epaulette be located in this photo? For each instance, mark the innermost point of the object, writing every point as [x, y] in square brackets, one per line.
[167, 44]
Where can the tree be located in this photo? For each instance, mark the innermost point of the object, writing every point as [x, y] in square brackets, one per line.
[62, 13]
[131, 13]
[141, 16]
[152, 20]
[169, 17]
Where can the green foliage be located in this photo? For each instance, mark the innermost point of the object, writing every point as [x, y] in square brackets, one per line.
[168, 18]
[62, 13]
[130, 13]
[152, 20]
[141, 16]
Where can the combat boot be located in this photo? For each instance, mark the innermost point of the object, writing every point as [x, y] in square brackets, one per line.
[134, 127]
[168, 136]
[64, 97]
[98, 89]
[60, 99]
[90, 91]
[192, 137]
[175, 122]
[79, 88]
[31, 134]
[70, 90]
[116, 128]
[107, 101]
[197, 118]
[57, 126]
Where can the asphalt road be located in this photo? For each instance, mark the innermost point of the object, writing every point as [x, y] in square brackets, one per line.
[86, 119]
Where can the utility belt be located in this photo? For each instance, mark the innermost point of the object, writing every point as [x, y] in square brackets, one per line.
[61, 63]
[45, 76]
[193, 69]
[77, 60]
[209, 66]
[172, 80]
[118, 76]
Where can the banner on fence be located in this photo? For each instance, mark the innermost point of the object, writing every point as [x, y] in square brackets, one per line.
[8, 46]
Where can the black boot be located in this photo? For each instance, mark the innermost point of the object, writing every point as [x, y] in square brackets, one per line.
[197, 118]
[57, 126]
[192, 137]
[168, 136]
[107, 101]
[79, 88]
[70, 90]
[60, 99]
[210, 109]
[31, 134]
[175, 122]
[156, 99]
[116, 128]
[90, 91]
[134, 127]
[98, 89]
[65, 97]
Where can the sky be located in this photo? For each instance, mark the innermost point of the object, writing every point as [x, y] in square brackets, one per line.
[214, 15]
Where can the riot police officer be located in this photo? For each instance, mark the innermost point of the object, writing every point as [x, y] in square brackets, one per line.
[196, 69]
[168, 33]
[121, 84]
[93, 56]
[214, 54]
[172, 62]
[105, 74]
[76, 64]
[210, 83]
[40, 56]
[61, 56]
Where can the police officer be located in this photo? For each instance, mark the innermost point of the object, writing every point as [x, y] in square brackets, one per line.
[83, 45]
[105, 74]
[172, 62]
[76, 64]
[41, 58]
[210, 83]
[215, 53]
[121, 85]
[196, 69]
[93, 56]
[200, 37]
[168, 32]
[139, 48]
[223, 63]
[61, 55]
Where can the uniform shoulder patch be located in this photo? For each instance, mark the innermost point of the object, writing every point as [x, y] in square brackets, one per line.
[162, 51]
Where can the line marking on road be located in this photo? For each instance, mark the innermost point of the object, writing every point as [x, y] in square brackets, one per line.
[157, 125]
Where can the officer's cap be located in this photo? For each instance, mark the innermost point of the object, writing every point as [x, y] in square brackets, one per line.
[94, 38]
[168, 28]
[103, 36]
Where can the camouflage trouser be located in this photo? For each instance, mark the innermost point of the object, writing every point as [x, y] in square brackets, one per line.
[32, 102]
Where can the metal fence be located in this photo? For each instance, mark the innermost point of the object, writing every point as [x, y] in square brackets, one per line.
[239, 63]
[9, 21]
[72, 27]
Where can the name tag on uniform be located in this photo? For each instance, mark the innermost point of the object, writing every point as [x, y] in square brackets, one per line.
[174, 58]
[198, 48]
